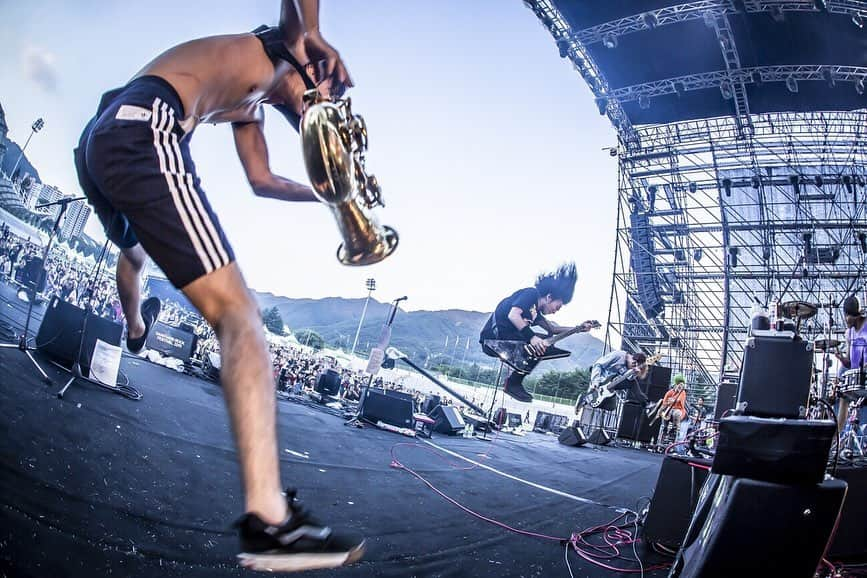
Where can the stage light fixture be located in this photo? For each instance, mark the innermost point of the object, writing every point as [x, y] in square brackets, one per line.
[821, 5]
[777, 14]
[709, 18]
[795, 181]
[828, 75]
[725, 88]
[766, 253]
[679, 89]
[609, 41]
[862, 240]
[818, 181]
[727, 185]
[740, 6]
[650, 19]
[857, 19]
[697, 254]
[808, 244]
[847, 182]
[651, 196]
[563, 47]
[756, 182]
[733, 256]
[693, 187]
[792, 84]
[859, 86]
[756, 78]
[602, 105]
[643, 102]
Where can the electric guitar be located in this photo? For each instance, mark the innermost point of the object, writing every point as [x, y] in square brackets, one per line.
[601, 391]
[519, 355]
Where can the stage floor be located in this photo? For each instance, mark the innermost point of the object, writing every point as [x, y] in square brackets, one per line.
[96, 484]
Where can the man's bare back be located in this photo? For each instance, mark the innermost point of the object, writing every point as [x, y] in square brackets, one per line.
[225, 78]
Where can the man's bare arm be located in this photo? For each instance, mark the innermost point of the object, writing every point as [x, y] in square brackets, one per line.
[299, 20]
[253, 152]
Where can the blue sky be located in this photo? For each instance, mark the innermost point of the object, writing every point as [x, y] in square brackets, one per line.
[488, 146]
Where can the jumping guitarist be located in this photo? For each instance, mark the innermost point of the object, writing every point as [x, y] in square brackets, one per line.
[508, 334]
[614, 372]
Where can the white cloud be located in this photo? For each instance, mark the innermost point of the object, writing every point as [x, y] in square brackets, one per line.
[40, 67]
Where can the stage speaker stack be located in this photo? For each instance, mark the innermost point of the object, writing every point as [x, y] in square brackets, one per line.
[674, 499]
[447, 420]
[766, 509]
[634, 424]
[572, 436]
[328, 383]
[726, 397]
[386, 406]
[60, 333]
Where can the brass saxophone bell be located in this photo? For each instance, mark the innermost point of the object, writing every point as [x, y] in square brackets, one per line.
[334, 141]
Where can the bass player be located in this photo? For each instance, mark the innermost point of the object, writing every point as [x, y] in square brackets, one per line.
[633, 366]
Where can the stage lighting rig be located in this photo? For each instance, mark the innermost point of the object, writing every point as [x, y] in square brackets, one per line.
[609, 41]
[792, 84]
[733, 256]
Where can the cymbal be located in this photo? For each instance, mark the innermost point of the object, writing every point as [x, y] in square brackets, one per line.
[826, 344]
[798, 309]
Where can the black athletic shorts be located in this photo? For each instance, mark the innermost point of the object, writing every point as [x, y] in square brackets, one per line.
[134, 165]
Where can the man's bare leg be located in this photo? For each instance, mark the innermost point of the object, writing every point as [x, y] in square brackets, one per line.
[226, 303]
[128, 275]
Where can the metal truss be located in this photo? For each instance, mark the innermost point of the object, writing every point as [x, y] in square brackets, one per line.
[570, 48]
[742, 76]
[608, 32]
[738, 224]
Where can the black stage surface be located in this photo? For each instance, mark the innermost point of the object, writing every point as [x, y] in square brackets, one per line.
[96, 484]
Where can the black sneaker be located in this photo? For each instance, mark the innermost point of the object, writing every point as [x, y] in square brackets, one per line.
[514, 387]
[150, 310]
[300, 543]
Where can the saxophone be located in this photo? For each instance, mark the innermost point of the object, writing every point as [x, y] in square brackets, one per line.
[334, 142]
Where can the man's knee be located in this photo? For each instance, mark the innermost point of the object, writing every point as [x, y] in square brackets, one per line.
[222, 297]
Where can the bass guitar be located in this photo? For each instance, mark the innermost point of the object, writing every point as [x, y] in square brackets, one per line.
[598, 393]
[519, 356]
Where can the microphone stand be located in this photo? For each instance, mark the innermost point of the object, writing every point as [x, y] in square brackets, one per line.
[23, 339]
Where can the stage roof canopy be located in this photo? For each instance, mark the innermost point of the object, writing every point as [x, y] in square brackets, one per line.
[658, 61]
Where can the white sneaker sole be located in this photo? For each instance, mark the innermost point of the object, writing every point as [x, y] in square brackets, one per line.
[299, 562]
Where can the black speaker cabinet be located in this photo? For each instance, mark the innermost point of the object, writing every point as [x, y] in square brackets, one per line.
[328, 382]
[431, 400]
[171, 341]
[726, 396]
[634, 424]
[572, 436]
[393, 408]
[850, 539]
[599, 437]
[448, 420]
[60, 333]
[746, 528]
[775, 376]
[674, 499]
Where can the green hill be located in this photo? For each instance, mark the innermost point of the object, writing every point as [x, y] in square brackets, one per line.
[423, 335]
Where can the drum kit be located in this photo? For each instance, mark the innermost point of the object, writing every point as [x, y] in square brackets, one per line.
[849, 388]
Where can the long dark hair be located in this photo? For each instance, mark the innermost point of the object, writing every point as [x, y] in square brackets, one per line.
[560, 283]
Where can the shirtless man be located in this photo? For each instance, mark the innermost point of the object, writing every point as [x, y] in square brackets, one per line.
[134, 165]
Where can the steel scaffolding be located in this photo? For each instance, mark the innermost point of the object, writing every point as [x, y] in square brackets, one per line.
[737, 223]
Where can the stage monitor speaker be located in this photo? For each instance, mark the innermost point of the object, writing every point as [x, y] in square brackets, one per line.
[431, 400]
[380, 405]
[514, 420]
[775, 376]
[600, 437]
[448, 420]
[793, 451]
[552, 422]
[328, 382]
[726, 396]
[60, 333]
[674, 499]
[572, 436]
[745, 527]
[171, 341]
[500, 417]
[849, 542]
[33, 274]
[634, 424]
